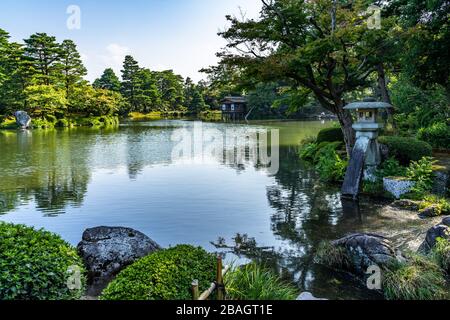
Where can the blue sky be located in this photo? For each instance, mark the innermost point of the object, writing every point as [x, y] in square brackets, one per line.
[161, 34]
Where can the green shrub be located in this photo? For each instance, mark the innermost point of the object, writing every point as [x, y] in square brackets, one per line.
[41, 123]
[422, 173]
[8, 123]
[438, 135]
[35, 265]
[164, 275]
[308, 152]
[330, 135]
[406, 150]
[391, 168]
[419, 278]
[253, 282]
[330, 166]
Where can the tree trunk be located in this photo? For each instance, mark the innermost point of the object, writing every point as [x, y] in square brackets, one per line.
[382, 84]
[346, 122]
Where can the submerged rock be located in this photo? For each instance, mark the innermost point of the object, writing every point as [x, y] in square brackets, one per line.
[366, 250]
[307, 296]
[406, 204]
[23, 120]
[108, 250]
[441, 230]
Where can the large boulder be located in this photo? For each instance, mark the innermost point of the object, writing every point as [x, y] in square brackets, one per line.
[366, 250]
[23, 120]
[441, 230]
[108, 250]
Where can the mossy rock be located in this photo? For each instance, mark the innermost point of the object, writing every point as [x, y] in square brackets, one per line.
[406, 150]
[330, 135]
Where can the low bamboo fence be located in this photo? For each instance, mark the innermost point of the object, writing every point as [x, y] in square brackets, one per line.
[217, 286]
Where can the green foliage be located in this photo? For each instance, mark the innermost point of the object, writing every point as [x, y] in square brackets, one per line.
[332, 256]
[438, 135]
[164, 275]
[419, 278]
[254, 282]
[108, 81]
[441, 205]
[330, 165]
[406, 150]
[45, 100]
[391, 168]
[35, 265]
[308, 152]
[422, 173]
[330, 135]
[441, 254]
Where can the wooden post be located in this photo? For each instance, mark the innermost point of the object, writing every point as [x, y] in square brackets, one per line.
[195, 292]
[219, 280]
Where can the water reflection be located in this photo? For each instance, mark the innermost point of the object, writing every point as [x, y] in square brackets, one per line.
[69, 180]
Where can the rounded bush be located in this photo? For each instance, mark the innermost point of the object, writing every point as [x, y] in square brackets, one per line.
[330, 135]
[38, 265]
[406, 150]
[164, 275]
[438, 135]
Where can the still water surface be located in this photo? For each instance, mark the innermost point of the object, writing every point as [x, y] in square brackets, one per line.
[69, 180]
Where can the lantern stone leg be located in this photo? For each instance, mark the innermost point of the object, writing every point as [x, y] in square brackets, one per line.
[366, 155]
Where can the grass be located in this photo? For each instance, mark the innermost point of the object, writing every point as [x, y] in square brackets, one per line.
[332, 256]
[254, 282]
[442, 205]
[441, 254]
[419, 278]
[155, 115]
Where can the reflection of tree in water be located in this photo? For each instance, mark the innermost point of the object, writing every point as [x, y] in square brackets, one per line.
[49, 167]
[306, 212]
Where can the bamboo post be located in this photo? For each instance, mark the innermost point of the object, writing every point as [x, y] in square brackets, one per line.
[219, 280]
[195, 292]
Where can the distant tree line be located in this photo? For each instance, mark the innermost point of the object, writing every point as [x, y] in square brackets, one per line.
[46, 78]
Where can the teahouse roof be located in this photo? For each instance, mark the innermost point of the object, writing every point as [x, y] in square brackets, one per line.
[234, 99]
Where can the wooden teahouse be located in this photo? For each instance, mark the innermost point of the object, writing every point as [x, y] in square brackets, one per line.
[234, 108]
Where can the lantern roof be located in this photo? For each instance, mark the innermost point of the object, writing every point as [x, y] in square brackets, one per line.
[368, 103]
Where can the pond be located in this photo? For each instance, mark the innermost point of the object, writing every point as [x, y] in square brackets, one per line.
[68, 180]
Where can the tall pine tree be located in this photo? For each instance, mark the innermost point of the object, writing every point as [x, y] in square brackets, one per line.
[131, 82]
[72, 67]
[45, 52]
[108, 81]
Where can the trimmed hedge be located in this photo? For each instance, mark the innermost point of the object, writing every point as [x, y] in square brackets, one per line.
[406, 150]
[36, 265]
[164, 275]
[330, 135]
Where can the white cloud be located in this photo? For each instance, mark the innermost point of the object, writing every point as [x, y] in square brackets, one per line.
[115, 54]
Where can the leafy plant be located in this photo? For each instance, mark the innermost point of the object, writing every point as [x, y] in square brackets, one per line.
[164, 275]
[391, 168]
[308, 151]
[406, 150]
[421, 172]
[36, 265]
[330, 165]
[254, 282]
[442, 205]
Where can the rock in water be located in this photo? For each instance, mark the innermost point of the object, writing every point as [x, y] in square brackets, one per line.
[108, 250]
[441, 230]
[307, 296]
[23, 120]
[366, 250]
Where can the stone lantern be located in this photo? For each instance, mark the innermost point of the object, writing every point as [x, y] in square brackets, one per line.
[366, 155]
